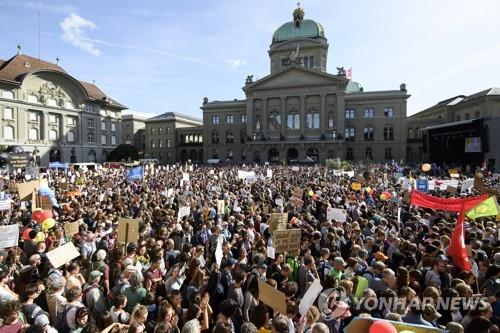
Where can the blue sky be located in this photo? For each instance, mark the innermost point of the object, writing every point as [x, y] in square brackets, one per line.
[157, 56]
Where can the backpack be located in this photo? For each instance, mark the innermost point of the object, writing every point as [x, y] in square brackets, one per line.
[62, 322]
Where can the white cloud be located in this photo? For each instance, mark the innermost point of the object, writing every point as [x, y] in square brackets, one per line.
[235, 63]
[74, 28]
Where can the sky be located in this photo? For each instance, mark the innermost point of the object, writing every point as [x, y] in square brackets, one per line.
[157, 56]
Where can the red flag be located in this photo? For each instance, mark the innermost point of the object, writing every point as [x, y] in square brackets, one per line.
[457, 249]
[447, 204]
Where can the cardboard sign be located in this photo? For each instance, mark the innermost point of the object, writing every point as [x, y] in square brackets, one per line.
[272, 297]
[310, 296]
[278, 221]
[336, 214]
[26, 189]
[221, 204]
[323, 184]
[63, 186]
[297, 202]
[9, 236]
[356, 186]
[63, 254]
[5, 205]
[128, 230]
[43, 202]
[269, 173]
[451, 189]
[295, 168]
[298, 192]
[467, 185]
[185, 176]
[271, 253]
[287, 240]
[71, 229]
[183, 211]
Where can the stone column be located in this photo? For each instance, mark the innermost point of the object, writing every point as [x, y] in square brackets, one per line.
[323, 119]
[340, 114]
[283, 117]
[302, 114]
[263, 124]
[44, 127]
[250, 117]
[62, 127]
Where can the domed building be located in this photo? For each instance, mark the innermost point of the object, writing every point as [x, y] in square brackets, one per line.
[302, 113]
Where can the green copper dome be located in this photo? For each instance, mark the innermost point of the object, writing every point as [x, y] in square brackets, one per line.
[306, 29]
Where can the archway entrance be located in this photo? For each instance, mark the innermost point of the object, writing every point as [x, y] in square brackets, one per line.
[313, 154]
[256, 157]
[292, 154]
[273, 155]
[54, 155]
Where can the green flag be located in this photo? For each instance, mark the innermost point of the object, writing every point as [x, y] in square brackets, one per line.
[488, 207]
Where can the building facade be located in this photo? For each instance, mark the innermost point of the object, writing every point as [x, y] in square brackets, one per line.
[47, 111]
[299, 112]
[167, 135]
[134, 132]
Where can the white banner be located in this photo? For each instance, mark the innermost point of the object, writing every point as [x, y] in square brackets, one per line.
[336, 214]
[5, 204]
[9, 236]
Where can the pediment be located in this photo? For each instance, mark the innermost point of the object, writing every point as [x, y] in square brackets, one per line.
[296, 77]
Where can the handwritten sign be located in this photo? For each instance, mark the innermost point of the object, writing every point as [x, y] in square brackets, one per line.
[5, 204]
[287, 240]
[272, 297]
[310, 296]
[271, 253]
[26, 189]
[336, 214]
[295, 168]
[128, 230]
[278, 221]
[221, 204]
[269, 173]
[297, 202]
[71, 229]
[63, 254]
[183, 211]
[9, 236]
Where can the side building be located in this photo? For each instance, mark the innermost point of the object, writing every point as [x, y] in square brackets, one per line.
[50, 113]
[299, 112]
[134, 132]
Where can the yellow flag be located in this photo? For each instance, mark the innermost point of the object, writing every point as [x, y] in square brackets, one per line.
[488, 207]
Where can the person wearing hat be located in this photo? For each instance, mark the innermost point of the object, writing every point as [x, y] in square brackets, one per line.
[431, 315]
[94, 296]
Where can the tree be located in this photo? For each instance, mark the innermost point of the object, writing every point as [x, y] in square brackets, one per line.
[123, 152]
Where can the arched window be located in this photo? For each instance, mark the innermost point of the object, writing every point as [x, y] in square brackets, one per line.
[91, 156]
[229, 137]
[160, 143]
[331, 120]
[411, 133]
[257, 123]
[349, 155]
[388, 153]
[368, 153]
[229, 155]
[312, 119]
[349, 133]
[293, 120]
[215, 137]
[274, 120]
[32, 99]
[8, 132]
[8, 94]
[243, 155]
[33, 134]
[369, 133]
[53, 135]
[388, 133]
[153, 144]
[418, 134]
[51, 102]
[70, 136]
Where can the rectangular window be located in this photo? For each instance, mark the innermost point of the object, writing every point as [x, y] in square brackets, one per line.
[160, 143]
[104, 139]
[350, 113]
[113, 126]
[243, 119]
[349, 133]
[215, 120]
[90, 123]
[90, 137]
[168, 143]
[89, 108]
[8, 133]
[369, 112]
[103, 125]
[293, 121]
[53, 119]
[128, 137]
[388, 112]
[113, 139]
[229, 119]
[8, 113]
[71, 121]
[33, 116]
[152, 131]
[388, 153]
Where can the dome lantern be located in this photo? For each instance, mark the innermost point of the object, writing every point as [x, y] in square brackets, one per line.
[298, 16]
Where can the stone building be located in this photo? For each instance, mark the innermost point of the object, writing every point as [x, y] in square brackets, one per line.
[299, 112]
[46, 110]
[134, 132]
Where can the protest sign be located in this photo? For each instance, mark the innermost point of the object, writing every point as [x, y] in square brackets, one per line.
[467, 185]
[63, 254]
[71, 229]
[269, 173]
[278, 221]
[128, 230]
[271, 253]
[9, 236]
[272, 297]
[295, 168]
[279, 202]
[287, 240]
[422, 185]
[323, 183]
[221, 204]
[451, 189]
[297, 202]
[218, 253]
[298, 192]
[336, 214]
[43, 202]
[356, 186]
[310, 296]
[26, 189]
[5, 205]
[185, 176]
[183, 211]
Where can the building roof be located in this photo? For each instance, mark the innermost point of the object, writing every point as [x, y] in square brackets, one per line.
[175, 116]
[307, 29]
[19, 66]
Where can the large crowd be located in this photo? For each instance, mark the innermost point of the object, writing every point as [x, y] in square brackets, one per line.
[173, 280]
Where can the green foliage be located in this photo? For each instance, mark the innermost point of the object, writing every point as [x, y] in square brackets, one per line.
[123, 152]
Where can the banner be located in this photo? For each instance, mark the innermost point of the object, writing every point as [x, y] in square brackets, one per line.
[269, 173]
[336, 214]
[135, 173]
[449, 205]
[9, 236]
[63, 254]
[278, 221]
[287, 240]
